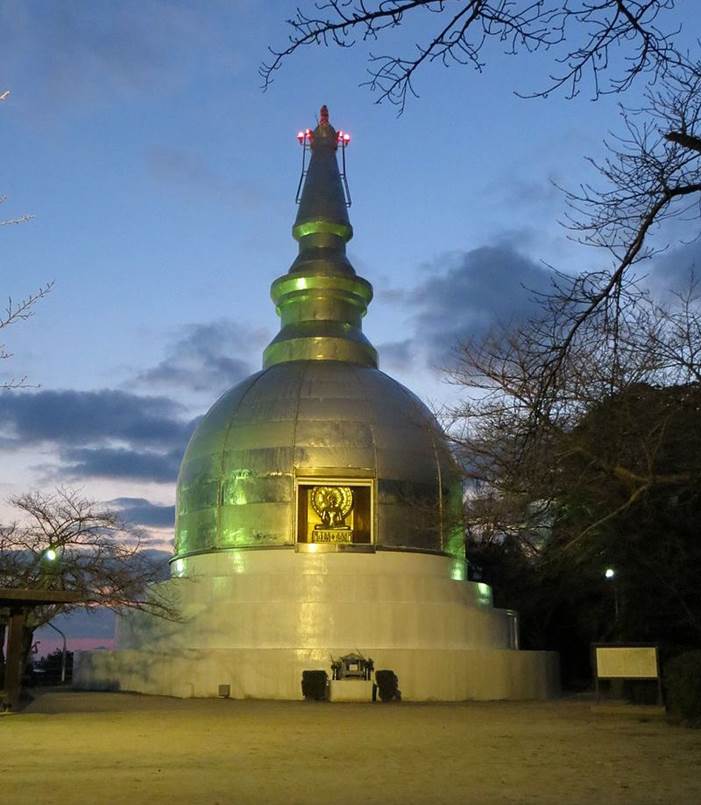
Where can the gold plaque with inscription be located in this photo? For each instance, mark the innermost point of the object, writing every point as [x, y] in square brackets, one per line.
[333, 504]
[334, 512]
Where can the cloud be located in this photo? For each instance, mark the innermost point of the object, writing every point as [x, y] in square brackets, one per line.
[469, 292]
[123, 463]
[396, 354]
[526, 194]
[68, 418]
[140, 511]
[208, 357]
[99, 434]
[117, 434]
[672, 272]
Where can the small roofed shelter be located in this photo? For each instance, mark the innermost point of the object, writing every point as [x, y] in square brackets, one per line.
[19, 602]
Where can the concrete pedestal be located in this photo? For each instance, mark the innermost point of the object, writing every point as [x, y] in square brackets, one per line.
[256, 619]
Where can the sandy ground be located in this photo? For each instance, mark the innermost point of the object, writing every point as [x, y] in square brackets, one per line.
[121, 748]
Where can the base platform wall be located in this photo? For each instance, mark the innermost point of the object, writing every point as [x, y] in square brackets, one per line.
[255, 620]
[424, 675]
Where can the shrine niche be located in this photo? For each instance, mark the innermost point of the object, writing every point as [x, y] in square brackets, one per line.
[334, 512]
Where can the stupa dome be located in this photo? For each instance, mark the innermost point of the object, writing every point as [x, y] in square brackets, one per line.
[320, 450]
[308, 420]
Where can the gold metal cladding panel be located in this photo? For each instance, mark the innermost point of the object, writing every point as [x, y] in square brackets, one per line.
[220, 414]
[254, 525]
[409, 527]
[266, 461]
[319, 410]
[263, 411]
[339, 457]
[263, 435]
[240, 491]
[333, 381]
[408, 465]
[347, 436]
[196, 531]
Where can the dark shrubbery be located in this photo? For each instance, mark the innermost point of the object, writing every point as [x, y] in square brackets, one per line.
[314, 685]
[388, 686]
[683, 685]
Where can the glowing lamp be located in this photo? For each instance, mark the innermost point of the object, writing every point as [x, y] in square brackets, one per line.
[609, 573]
[50, 554]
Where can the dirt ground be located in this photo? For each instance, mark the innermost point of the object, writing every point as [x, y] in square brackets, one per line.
[121, 748]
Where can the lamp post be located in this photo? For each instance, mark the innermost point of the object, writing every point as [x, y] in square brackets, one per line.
[63, 651]
[610, 575]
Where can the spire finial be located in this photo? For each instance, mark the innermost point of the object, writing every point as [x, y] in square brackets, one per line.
[321, 300]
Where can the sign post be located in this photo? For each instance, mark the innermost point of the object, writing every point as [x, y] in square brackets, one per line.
[626, 661]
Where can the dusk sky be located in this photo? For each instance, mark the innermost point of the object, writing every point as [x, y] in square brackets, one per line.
[161, 182]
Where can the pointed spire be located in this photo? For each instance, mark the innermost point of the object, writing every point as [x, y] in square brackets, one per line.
[322, 206]
[321, 300]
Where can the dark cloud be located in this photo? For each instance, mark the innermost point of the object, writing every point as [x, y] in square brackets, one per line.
[471, 292]
[123, 463]
[397, 354]
[73, 418]
[208, 357]
[100, 434]
[526, 194]
[140, 511]
[673, 271]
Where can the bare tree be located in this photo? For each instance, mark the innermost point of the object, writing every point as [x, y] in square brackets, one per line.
[603, 467]
[519, 426]
[653, 175]
[67, 542]
[580, 34]
[22, 310]
[13, 313]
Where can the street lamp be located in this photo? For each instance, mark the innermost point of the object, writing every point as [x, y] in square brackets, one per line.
[64, 651]
[610, 575]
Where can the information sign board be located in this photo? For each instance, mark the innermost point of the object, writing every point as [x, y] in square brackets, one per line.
[626, 662]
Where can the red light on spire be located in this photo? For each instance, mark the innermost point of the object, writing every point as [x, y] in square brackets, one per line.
[305, 137]
[346, 137]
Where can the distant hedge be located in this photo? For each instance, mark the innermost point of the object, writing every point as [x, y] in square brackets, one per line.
[682, 679]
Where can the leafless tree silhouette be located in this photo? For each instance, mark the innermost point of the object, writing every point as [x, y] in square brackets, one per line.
[580, 34]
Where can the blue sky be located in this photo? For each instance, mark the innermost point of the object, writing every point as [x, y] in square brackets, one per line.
[161, 182]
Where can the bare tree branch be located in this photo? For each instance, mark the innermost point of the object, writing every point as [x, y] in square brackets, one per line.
[93, 554]
[580, 34]
[13, 313]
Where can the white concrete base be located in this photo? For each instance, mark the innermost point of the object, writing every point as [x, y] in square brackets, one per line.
[424, 675]
[350, 690]
[255, 620]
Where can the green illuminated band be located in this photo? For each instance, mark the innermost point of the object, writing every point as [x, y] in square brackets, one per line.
[300, 231]
[291, 284]
[320, 348]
